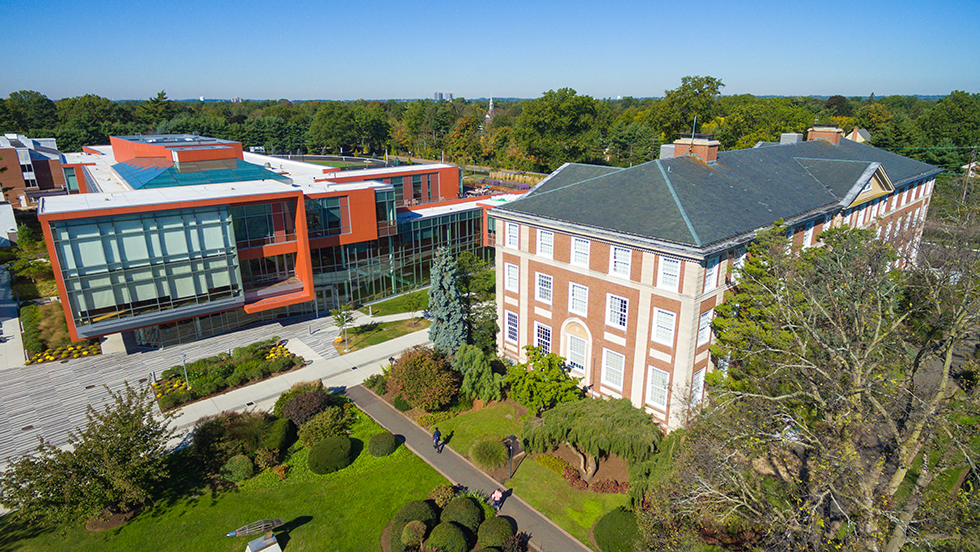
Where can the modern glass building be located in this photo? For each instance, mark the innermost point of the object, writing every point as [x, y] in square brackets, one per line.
[175, 238]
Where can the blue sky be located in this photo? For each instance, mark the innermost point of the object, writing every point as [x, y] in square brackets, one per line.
[382, 49]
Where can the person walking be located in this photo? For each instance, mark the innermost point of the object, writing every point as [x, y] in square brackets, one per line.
[436, 435]
[496, 498]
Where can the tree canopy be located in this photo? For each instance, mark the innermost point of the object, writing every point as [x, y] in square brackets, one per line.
[542, 382]
[839, 423]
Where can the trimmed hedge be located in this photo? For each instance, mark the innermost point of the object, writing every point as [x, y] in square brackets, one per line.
[414, 533]
[442, 494]
[382, 444]
[330, 455]
[376, 383]
[489, 454]
[417, 510]
[494, 531]
[239, 468]
[464, 511]
[448, 537]
[616, 531]
[280, 435]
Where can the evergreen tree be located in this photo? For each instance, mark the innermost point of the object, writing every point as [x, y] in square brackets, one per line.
[479, 381]
[448, 329]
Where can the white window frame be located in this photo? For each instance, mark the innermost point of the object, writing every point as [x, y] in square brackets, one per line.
[666, 337]
[711, 273]
[662, 273]
[578, 252]
[704, 327]
[606, 368]
[738, 262]
[618, 318]
[512, 233]
[544, 292]
[917, 216]
[539, 331]
[571, 356]
[583, 297]
[808, 234]
[657, 395]
[511, 322]
[546, 243]
[509, 271]
[697, 387]
[618, 266]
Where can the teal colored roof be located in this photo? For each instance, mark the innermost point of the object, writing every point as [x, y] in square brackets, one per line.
[160, 172]
[685, 201]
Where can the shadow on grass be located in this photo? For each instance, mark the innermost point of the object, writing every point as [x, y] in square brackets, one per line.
[14, 530]
[184, 486]
[283, 536]
[356, 448]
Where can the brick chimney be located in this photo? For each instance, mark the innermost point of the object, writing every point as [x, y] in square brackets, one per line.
[830, 134]
[704, 149]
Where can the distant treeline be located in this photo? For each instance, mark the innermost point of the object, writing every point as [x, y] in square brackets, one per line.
[538, 134]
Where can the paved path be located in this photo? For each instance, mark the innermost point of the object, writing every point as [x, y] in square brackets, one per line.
[545, 535]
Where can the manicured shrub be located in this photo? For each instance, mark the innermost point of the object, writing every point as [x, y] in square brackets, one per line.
[401, 404]
[494, 531]
[414, 533]
[235, 379]
[296, 389]
[489, 454]
[464, 511]
[417, 510]
[330, 455]
[616, 531]
[554, 464]
[382, 444]
[448, 537]
[280, 435]
[174, 399]
[301, 408]
[376, 383]
[442, 494]
[424, 377]
[239, 468]
[335, 420]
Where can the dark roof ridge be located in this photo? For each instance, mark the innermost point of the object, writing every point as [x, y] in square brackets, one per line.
[677, 201]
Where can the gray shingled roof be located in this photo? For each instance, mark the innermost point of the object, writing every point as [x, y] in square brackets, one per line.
[685, 201]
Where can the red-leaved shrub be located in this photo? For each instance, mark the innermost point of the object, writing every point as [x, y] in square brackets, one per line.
[424, 378]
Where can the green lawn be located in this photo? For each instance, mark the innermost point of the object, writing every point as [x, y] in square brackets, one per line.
[397, 305]
[573, 510]
[346, 510]
[466, 429]
[372, 334]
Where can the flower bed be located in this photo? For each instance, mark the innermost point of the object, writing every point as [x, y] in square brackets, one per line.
[213, 375]
[81, 349]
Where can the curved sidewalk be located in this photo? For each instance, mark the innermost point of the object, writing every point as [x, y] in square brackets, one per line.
[545, 535]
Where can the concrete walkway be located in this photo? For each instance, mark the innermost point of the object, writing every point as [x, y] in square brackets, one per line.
[545, 535]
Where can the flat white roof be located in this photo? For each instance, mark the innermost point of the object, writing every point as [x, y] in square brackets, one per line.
[388, 170]
[439, 210]
[158, 196]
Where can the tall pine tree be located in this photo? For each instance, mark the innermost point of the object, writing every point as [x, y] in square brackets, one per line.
[448, 329]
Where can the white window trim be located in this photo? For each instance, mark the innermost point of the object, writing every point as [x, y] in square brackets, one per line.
[612, 261]
[571, 296]
[697, 387]
[673, 327]
[711, 273]
[517, 281]
[508, 226]
[808, 234]
[538, 278]
[666, 388]
[537, 343]
[568, 353]
[587, 251]
[551, 245]
[605, 368]
[704, 327]
[517, 326]
[661, 272]
[609, 311]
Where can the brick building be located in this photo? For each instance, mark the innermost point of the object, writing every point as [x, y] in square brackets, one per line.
[34, 169]
[619, 270]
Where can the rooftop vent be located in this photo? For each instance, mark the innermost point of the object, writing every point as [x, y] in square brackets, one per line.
[790, 138]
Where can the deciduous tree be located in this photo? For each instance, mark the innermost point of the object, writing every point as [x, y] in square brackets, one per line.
[594, 429]
[542, 382]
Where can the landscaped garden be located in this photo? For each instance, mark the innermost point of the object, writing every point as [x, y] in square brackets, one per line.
[373, 334]
[46, 337]
[212, 375]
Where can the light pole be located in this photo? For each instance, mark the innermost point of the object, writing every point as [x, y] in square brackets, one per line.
[183, 362]
[510, 442]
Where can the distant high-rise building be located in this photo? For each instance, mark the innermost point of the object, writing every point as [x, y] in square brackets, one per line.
[236, 99]
[442, 96]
